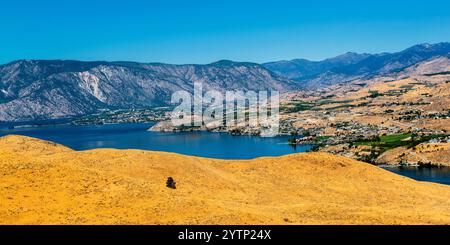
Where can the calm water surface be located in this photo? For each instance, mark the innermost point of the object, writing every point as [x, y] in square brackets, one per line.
[136, 136]
[438, 175]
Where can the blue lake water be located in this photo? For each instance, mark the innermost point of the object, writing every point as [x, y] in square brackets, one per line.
[136, 136]
[203, 144]
[438, 175]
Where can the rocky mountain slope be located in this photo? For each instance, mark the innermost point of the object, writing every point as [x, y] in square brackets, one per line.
[33, 89]
[46, 183]
[39, 89]
[302, 69]
[351, 66]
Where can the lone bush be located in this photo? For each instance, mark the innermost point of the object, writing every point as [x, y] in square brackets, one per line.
[170, 183]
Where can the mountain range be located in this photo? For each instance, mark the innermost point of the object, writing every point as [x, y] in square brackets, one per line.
[51, 89]
[38, 89]
[350, 66]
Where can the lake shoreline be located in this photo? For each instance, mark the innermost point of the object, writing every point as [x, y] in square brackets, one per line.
[136, 136]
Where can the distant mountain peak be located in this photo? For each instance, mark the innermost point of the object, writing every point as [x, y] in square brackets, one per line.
[349, 57]
[224, 63]
[350, 53]
[429, 47]
[351, 65]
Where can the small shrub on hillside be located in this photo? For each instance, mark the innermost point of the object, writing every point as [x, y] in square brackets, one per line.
[170, 183]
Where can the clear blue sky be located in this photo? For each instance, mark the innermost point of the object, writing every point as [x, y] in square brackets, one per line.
[205, 31]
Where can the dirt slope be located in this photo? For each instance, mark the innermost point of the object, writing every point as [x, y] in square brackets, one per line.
[436, 153]
[45, 183]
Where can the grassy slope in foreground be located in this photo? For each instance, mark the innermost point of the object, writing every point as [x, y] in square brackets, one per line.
[46, 183]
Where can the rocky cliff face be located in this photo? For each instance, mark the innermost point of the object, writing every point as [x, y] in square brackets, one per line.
[31, 90]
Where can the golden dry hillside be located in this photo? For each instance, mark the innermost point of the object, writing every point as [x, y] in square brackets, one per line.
[437, 153]
[45, 183]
